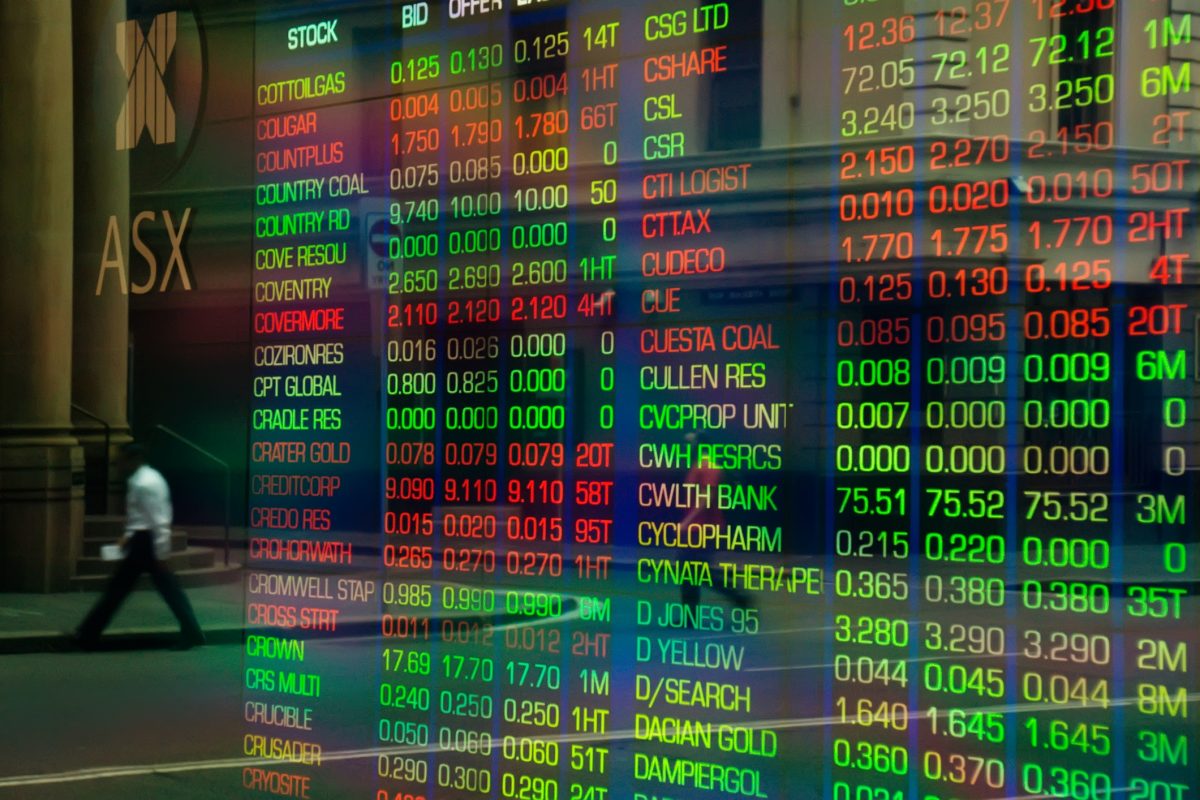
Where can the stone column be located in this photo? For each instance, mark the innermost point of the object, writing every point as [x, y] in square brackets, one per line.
[100, 352]
[781, 73]
[41, 492]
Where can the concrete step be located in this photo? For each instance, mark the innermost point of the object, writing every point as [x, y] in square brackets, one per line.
[189, 578]
[92, 544]
[193, 566]
[191, 558]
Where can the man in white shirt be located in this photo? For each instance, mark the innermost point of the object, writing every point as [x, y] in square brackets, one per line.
[145, 543]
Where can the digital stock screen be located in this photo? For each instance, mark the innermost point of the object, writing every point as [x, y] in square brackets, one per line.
[747, 399]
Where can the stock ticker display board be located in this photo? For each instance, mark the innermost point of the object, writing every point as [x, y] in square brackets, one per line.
[737, 399]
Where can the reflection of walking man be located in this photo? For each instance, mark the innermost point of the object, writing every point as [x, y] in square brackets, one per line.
[707, 475]
[146, 541]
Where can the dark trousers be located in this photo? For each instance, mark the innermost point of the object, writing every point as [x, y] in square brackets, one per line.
[689, 593]
[139, 558]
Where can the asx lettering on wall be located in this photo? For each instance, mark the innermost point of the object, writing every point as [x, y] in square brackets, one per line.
[112, 259]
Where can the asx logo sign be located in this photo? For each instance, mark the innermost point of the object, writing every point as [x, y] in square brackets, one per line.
[112, 259]
[163, 61]
[145, 57]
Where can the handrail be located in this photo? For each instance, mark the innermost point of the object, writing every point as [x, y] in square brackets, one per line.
[107, 446]
[224, 466]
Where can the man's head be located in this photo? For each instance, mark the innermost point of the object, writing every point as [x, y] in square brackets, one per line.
[133, 455]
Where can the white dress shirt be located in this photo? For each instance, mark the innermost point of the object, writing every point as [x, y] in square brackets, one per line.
[148, 507]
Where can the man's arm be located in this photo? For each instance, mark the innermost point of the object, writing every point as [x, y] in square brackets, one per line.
[135, 508]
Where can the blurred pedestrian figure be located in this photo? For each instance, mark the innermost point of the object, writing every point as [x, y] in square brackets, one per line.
[706, 475]
[145, 543]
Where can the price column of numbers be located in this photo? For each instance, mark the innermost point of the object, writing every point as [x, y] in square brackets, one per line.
[873, 412]
[407, 691]
[1070, 265]
[473, 516]
[540, 371]
[965, 201]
